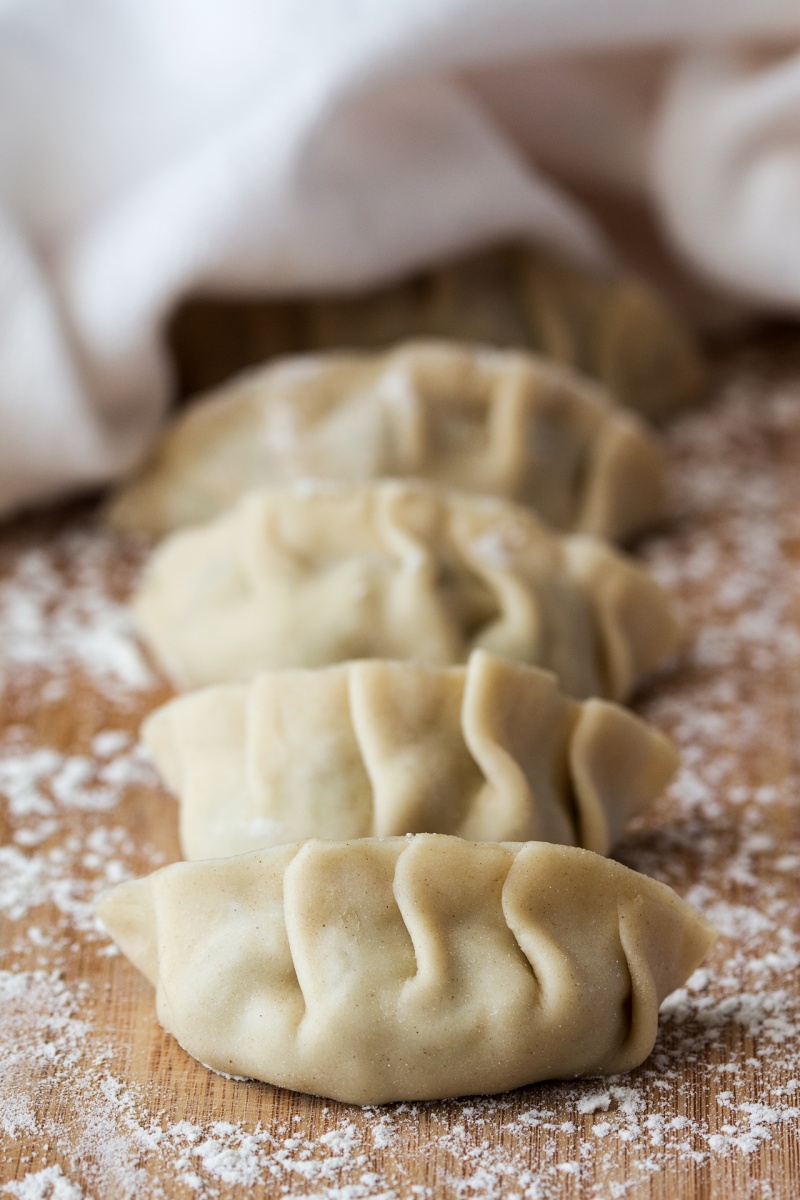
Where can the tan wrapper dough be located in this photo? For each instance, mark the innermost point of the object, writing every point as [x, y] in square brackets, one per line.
[307, 576]
[408, 968]
[614, 327]
[503, 423]
[611, 326]
[492, 752]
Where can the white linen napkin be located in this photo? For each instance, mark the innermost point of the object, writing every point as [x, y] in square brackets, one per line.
[154, 148]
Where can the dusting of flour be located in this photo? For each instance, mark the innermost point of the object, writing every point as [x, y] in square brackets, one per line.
[62, 610]
[81, 1121]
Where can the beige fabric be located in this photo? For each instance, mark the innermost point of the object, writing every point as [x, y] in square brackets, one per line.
[308, 576]
[491, 752]
[464, 416]
[408, 968]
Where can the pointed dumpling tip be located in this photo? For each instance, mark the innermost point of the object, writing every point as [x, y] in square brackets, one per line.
[673, 937]
[128, 914]
[639, 630]
[619, 766]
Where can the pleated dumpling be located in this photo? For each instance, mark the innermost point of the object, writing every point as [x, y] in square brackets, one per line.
[408, 968]
[611, 326]
[491, 752]
[307, 576]
[503, 423]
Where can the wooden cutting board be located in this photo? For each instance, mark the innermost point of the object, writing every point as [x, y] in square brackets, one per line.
[97, 1101]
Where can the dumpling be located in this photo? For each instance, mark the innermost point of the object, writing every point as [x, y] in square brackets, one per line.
[612, 326]
[307, 576]
[486, 421]
[408, 968]
[491, 752]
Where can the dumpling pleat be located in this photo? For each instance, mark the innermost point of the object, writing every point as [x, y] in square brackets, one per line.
[459, 415]
[409, 968]
[491, 751]
[308, 578]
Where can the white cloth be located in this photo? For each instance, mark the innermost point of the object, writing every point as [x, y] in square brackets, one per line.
[153, 148]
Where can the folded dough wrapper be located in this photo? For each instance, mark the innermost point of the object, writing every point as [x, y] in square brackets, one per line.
[500, 423]
[492, 751]
[609, 325]
[412, 968]
[305, 576]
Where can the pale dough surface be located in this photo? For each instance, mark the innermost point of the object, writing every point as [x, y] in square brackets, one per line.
[491, 751]
[610, 326]
[408, 968]
[311, 575]
[503, 423]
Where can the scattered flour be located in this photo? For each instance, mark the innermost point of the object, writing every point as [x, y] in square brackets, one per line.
[49, 1184]
[59, 613]
[38, 781]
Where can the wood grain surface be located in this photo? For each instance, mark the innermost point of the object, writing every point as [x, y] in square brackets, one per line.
[97, 1101]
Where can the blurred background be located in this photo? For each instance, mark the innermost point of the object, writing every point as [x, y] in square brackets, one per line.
[186, 189]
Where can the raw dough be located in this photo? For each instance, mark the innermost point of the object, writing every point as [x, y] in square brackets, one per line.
[408, 968]
[491, 752]
[307, 576]
[609, 325]
[502, 423]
